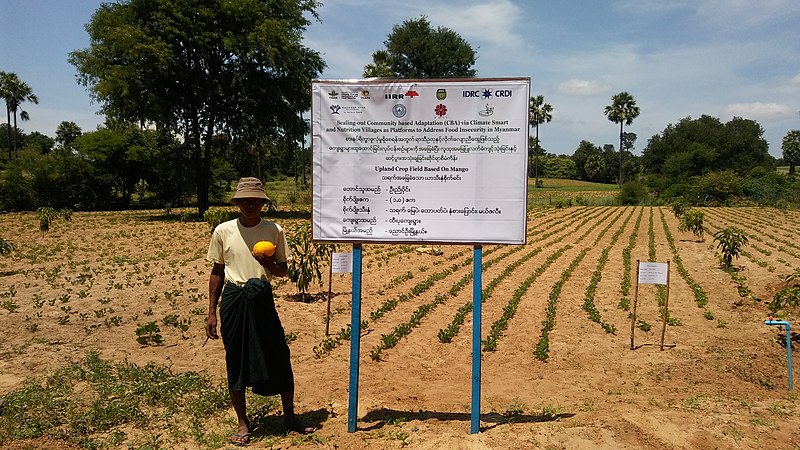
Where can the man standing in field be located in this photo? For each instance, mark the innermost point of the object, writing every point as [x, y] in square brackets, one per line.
[256, 353]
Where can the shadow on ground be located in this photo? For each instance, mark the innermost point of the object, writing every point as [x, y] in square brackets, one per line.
[383, 416]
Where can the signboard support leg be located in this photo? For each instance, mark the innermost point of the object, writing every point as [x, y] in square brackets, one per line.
[355, 341]
[330, 289]
[477, 267]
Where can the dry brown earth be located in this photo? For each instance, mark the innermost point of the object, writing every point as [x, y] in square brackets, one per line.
[720, 383]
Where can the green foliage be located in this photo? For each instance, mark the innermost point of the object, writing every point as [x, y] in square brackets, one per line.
[700, 295]
[6, 247]
[308, 257]
[789, 295]
[215, 216]
[632, 193]
[791, 149]
[203, 69]
[689, 148]
[730, 241]
[622, 110]
[46, 215]
[67, 132]
[88, 404]
[717, 188]
[678, 207]
[415, 50]
[692, 221]
[15, 92]
[149, 334]
[542, 350]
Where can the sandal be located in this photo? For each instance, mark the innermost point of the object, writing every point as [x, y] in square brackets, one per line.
[240, 439]
[298, 426]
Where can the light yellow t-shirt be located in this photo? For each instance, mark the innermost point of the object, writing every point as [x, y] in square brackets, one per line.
[231, 244]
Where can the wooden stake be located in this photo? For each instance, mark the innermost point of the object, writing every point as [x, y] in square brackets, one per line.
[666, 311]
[635, 298]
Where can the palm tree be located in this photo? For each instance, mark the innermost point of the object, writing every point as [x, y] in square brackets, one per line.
[791, 149]
[622, 110]
[15, 91]
[5, 93]
[539, 112]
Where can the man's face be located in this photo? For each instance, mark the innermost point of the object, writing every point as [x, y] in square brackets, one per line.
[250, 208]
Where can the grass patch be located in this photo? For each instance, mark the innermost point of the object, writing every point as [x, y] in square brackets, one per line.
[95, 403]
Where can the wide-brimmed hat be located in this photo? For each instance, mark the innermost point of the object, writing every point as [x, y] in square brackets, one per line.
[250, 187]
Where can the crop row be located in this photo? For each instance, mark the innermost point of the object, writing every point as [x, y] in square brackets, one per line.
[448, 333]
[588, 299]
[625, 285]
[542, 349]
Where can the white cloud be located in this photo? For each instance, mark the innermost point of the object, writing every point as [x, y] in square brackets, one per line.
[583, 87]
[759, 111]
[492, 22]
[796, 79]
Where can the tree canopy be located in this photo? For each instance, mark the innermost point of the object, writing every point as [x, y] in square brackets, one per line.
[415, 50]
[199, 68]
[622, 110]
[791, 149]
[539, 112]
[15, 92]
[694, 147]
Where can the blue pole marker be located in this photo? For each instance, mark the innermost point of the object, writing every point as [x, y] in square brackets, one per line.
[788, 344]
[355, 341]
[477, 267]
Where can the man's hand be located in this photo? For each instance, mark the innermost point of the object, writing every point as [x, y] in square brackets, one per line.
[211, 326]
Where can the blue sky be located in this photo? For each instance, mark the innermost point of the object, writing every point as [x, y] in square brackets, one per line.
[678, 58]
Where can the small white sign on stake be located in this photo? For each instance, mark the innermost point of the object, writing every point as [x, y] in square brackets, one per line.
[342, 263]
[653, 273]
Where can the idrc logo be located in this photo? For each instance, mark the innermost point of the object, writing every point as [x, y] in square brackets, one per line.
[487, 93]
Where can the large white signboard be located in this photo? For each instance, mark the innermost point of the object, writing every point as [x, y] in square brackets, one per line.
[420, 161]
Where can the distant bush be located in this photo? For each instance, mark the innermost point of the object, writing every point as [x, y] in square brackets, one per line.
[632, 193]
[717, 188]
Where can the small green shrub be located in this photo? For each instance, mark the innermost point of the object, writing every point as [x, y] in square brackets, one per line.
[6, 247]
[730, 241]
[46, 215]
[692, 220]
[148, 334]
[679, 206]
[215, 216]
[308, 257]
[789, 295]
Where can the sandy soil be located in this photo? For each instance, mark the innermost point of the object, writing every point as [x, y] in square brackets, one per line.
[720, 382]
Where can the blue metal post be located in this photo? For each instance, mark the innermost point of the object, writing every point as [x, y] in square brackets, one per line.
[355, 341]
[477, 267]
[788, 344]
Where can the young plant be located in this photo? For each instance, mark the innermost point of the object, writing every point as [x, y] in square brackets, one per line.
[6, 247]
[149, 334]
[729, 241]
[789, 295]
[46, 215]
[692, 220]
[679, 207]
[215, 216]
[308, 258]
